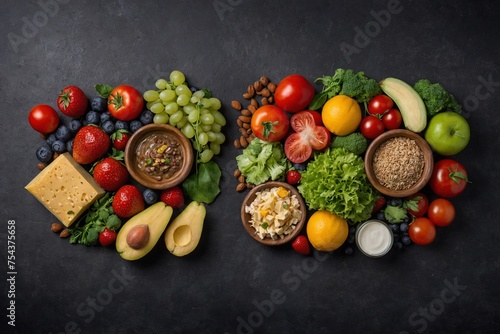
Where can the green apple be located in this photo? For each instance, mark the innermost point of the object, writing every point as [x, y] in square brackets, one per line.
[447, 133]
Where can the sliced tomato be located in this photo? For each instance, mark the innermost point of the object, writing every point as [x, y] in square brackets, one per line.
[308, 136]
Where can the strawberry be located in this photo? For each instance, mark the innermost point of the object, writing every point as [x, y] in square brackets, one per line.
[293, 177]
[90, 144]
[301, 245]
[110, 174]
[107, 237]
[120, 139]
[127, 201]
[72, 102]
[379, 204]
[172, 197]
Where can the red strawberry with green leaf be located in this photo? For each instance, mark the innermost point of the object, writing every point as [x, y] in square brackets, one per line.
[90, 144]
[173, 197]
[120, 139]
[128, 201]
[110, 174]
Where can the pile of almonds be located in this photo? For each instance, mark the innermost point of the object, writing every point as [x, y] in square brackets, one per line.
[60, 229]
[262, 90]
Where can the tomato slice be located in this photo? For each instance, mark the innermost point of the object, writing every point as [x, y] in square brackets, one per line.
[320, 138]
[297, 150]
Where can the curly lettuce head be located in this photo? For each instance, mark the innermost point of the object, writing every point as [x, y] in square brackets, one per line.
[336, 181]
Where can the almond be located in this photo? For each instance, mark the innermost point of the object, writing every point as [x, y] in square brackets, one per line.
[265, 92]
[138, 236]
[264, 80]
[254, 103]
[246, 126]
[264, 101]
[236, 105]
[271, 86]
[245, 119]
[257, 85]
[241, 178]
[237, 173]
[240, 187]
[270, 99]
[243, 132]
[251, 90]
[246, 112]
[237, 144]
[252, 109]
[56, 227]
[243, 141]
[64, 233]
[41, 165]
[247, 96]
[239, 122]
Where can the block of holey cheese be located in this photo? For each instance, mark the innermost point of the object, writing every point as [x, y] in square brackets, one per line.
[65, 188]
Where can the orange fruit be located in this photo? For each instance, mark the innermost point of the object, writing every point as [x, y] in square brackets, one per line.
[341, 115]
[326, 231]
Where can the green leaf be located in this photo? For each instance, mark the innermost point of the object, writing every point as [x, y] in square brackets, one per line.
[394, 214]
[208, 93]
[113, 223]
[92, 236]
[318, 101]
[412, 204]
[103, 90]
[203, 186]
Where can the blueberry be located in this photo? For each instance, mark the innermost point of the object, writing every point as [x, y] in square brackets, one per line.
[51, 139]
[396, 237]
[147, 117]
[59, 146]
[348, 250]
[121, 125]
[394, 228]
[105, 116]
[350, 239]
[406, 240]
[395, 202]
[69, 146]
[44, 153]
[193, 89]
[93, 117]
[150, 196]
[403, 227]
[299, 167]
[135, 125]
[84, 122]
[75, 125]
[398, 245]
[352, 229]
[380, 216]
[63, 133]
[99, 104]
[108, 127]
[407, 219]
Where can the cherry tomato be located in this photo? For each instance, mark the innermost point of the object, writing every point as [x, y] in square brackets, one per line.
[308, 136]
[441, 212]
[43, 118]
[371, 127]
[72, 102]
[270, 123]
[422, 231]
[125, 103]
[392, 119]
[380, 104]
[294, 93]
[417, 204]
[449, 178]
[293, 177]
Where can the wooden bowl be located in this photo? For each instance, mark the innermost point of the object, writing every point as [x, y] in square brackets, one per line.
[145, 132]
[426, 173]
[245, 217]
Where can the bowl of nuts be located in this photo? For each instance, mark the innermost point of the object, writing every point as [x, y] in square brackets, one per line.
[159, 156]
[273, 213]
[399, 163]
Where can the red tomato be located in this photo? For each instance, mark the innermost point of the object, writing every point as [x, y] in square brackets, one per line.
[294, 93]
[270, 123]
[380, 104]
[72, 102]
[448, 179]
[125, 103]
[308, 136]
[371, 127]
[317, 116]
[417, 204]
[392, 119]
[441, 212]
[422, 231]
[43, 118]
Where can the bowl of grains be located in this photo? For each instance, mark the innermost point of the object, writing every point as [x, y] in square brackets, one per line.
[159, 156]
[273, 213]
[399, 163]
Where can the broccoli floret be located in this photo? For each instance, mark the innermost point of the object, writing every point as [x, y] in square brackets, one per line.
[359, 87]
[436, 98]
[355, 143]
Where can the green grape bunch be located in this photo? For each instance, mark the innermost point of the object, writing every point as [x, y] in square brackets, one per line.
[196, 113]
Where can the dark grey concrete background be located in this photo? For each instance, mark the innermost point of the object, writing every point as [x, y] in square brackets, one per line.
[232, 284]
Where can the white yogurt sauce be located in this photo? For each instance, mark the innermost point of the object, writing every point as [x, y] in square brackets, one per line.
[374, 238]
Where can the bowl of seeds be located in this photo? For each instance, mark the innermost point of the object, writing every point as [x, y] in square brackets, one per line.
[399, 163]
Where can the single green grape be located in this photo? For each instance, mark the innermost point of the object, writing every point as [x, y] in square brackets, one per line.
[183, 89]
[206, 155]
[150, 104]
[220, 138]
[215, 103]
[202, 138]
[182, 122]
[150, 95]
[199, 94]
[161, 84]
[157, 108]
[161, 118]
[219, 118]
[183, 100]
[195, 99]
[207, 119]
[177, 116]
[215, 148]
[193, 116]
[189, 108]
[188, 130]
[205, 127]
[171, 108]
[206, 103]
[168, 95]
[211, 136]
[177, 77]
